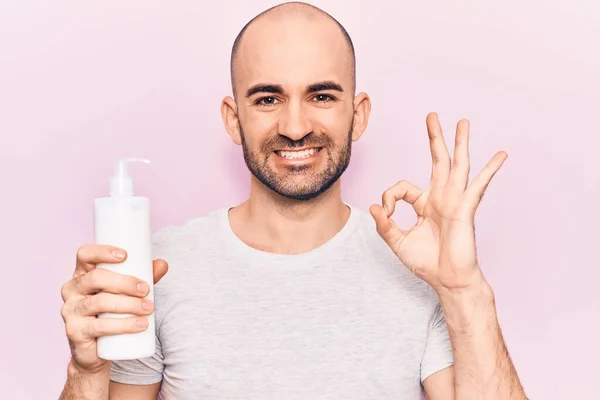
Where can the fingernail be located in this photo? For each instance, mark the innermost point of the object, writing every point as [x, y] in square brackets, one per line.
[146, 305]
[119, 254]
[142, 287]
[142, 322]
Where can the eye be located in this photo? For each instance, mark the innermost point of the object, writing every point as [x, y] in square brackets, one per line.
[266, 101]
[323, 98]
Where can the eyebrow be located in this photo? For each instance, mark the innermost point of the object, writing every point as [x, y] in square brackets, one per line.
[325, 85]
[278, 89]
[264, 88]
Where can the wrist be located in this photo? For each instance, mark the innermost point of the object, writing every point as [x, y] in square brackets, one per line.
[86, 384]
[74, 369]
[478, 290]
[474, 285]
[470, 308]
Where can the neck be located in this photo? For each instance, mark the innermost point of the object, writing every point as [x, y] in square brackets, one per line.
[271, 223]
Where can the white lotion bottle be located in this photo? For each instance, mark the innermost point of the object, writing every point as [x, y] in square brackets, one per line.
[123, 220]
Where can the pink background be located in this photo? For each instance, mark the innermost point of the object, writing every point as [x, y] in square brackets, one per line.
[82, 83]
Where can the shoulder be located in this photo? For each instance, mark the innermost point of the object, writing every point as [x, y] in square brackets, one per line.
[190, 249]
[191, 235]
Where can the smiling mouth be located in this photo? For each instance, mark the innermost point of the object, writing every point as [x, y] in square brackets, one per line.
[298, 154]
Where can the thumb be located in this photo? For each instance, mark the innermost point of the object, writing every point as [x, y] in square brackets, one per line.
[160, 268]
[383, 223]
[386, 227]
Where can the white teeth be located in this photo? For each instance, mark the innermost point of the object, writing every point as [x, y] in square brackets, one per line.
[296, 155]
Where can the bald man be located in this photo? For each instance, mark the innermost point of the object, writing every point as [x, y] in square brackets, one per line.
[295, 294]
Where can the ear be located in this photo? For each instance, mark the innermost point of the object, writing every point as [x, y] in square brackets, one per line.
[362, 109]
[231, 119]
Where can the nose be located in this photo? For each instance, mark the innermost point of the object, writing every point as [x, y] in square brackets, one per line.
[294, 122]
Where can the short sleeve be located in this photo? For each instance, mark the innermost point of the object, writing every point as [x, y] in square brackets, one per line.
[438, 349]
[143, 371]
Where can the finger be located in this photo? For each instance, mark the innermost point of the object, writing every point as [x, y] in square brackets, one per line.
[439, 152]
[91, 254]
[475, 191]
[382, 221]
[402, 190]
[111, 303]
[159, 269]
[107, 281]
[459, 175]
[79, 329]
[386, 227]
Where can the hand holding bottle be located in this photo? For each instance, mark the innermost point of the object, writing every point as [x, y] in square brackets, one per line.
[94, 291]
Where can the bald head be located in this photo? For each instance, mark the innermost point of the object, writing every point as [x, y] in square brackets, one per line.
[270, 22]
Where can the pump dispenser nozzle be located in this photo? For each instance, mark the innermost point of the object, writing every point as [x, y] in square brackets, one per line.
[121, 183]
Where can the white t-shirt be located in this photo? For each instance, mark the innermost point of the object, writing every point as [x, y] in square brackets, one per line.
[345, 321]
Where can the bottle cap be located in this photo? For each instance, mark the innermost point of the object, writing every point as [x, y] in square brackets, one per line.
[121, 183]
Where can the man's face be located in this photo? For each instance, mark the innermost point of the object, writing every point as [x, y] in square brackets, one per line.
[295, 105]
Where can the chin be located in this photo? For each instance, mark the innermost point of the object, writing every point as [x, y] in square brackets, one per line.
[303, 192]
[300, 196]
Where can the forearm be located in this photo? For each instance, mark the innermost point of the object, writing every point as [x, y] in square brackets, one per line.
[482, 366]
[84, 386]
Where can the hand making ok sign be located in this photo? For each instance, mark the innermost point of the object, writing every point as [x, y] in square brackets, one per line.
[440, 248]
